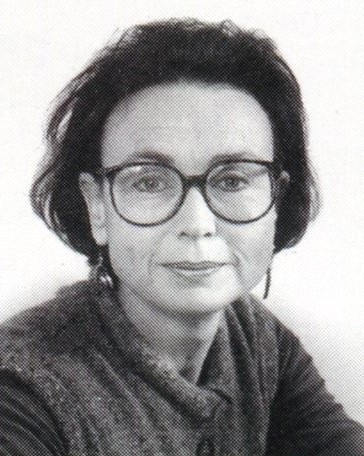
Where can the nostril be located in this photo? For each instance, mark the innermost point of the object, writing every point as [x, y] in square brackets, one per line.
[195, 234]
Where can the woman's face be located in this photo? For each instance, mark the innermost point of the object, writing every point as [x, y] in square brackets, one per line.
[192, 125]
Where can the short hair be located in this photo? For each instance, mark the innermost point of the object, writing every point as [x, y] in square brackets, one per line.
[162, 52]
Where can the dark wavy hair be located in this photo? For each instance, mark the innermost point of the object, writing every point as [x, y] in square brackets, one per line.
[160, 52]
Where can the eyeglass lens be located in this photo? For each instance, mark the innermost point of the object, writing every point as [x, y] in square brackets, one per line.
[151, 193]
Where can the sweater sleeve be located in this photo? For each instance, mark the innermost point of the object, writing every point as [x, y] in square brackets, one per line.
[26, 426]
[305, 418]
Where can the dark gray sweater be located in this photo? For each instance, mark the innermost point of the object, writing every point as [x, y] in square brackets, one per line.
[104, 392]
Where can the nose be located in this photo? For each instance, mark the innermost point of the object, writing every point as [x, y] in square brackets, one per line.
[195, 219]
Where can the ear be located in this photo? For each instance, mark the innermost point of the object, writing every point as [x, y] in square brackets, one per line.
[283, 182]
[93, 195]
[282, 186]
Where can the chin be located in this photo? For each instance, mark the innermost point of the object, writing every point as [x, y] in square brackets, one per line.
[198, 301]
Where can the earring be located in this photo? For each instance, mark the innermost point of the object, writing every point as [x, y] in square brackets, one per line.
[268, 281]
[100, 274]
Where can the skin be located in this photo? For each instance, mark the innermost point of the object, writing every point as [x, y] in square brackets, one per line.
[191, 123]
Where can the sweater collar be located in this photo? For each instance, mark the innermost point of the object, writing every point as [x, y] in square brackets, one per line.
[201, 399]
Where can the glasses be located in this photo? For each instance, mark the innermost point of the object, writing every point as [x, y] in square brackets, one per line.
[147, 193]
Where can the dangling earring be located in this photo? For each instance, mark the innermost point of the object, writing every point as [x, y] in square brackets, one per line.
[99, 272]
[268, 281]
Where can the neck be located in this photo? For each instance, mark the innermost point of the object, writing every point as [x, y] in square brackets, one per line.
[182, 340]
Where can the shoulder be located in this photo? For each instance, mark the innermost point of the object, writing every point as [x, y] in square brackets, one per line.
[255, 319]
[21, 413]
[259, 323]
[43, 350]
[271, 344]
[52, 328]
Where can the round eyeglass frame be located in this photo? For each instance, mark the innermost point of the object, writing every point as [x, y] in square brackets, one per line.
[198, 181]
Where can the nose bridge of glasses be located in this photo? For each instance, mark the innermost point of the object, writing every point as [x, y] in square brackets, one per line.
[194, 208]
[195, 184]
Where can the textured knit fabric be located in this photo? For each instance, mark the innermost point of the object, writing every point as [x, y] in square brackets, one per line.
[26, 427]
[102, 391]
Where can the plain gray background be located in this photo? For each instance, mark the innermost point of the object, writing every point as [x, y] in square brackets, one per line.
[318, 286]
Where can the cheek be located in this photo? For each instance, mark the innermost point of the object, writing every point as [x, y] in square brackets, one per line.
[131, 247]
[253, 246]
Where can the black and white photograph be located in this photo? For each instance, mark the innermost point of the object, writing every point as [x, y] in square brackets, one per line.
[182, 228]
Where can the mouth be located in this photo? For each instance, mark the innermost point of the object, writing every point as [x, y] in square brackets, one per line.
[194, 266]
[194, 269]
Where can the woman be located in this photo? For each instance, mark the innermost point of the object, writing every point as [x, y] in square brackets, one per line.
[177, 164]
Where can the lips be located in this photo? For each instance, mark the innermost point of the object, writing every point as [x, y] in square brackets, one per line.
[194, 266]
[194, 272]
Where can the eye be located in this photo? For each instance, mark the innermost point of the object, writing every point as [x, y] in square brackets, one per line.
[151, 184]
[230, 183]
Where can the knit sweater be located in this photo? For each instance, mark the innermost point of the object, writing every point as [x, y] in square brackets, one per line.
[110, 394]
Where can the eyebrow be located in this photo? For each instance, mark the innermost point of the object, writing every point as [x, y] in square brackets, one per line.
[153, 156]
[242, 155]
[159, 157]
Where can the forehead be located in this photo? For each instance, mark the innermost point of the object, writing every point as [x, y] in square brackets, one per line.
[191, 124]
